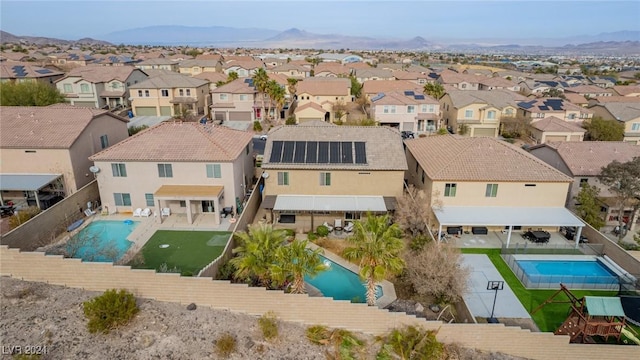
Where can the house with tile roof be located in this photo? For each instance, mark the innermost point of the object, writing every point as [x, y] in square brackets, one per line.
[553, 129]
[627, 113]
[316, 98]
[55, 141]
[213, 78]
[407, 111]
[478, 112]
[100, 86]
[113, 60]
[557, 107]
[158, 63]
[244, 68]
[330, 69]
[588, 91]
[415, 77]
[194, 67]
[627, 90]
[583, 161]
[290, 70]
[317, 172]
[187, 167]
[170, 95]
[371, 74]
[16, 72]
[459, 81]
[373, 88]
[487, 184]
[344, 58]
[235, 101]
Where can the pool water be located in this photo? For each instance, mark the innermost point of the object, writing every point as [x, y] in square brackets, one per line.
[340, 283]
[102, 241]
[566, 271]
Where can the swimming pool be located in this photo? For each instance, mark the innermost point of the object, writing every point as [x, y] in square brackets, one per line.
[340, 283]
[102, 241]
[577, 273]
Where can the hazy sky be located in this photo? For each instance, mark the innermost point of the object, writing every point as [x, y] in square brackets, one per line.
[399, 19]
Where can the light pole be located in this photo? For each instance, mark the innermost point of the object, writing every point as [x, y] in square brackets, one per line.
[494, 285]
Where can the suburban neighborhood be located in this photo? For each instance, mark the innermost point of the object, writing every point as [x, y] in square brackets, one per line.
[444, 204]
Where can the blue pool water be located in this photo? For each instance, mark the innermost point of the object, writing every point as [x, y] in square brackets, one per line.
[565, 271]
[341, 284]
[102, 241]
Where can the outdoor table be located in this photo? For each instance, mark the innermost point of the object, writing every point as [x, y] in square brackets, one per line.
[540, 236]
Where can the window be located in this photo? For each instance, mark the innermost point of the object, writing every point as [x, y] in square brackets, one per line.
[411, 109]
[119, 170]
[529, 185]
[463, 86]
[393, 109]
[572, 116]
[491, 115]
[423, 176]
[246, 150]
[417, 166]
[68, 88]
[214, 171]
[104, 141]
[115, 85]
[188, 92]
[423, 108]
[164, 93]
[283, 178]
[165, 170]
[146, 93]
[243, 97]
[183, 203]
[468, 113]
[431, 109]
[122, 199]
[149, 199]
[181, 92]
[139, 93]
[224, 97]
[450, 190]
[386, 109]
[635, 127]
[84, 88]
[492, 190]
[325, 179]
[584, 181]
[508, 112]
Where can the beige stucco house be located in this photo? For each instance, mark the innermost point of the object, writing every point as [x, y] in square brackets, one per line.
[291, 71]
[320, 172]
[235, 101]
[244, 68]
[554, 129]
[158, 64]
[317, 96]
[186, 167]
[17, 72]
[627, 113]
[407, 111]
[198, 66]
[485, 184]
[556, 107]
[54, 140]
[100, 86]
[170, 95]
[478, 112]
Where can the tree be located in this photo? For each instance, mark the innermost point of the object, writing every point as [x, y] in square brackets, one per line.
[29, 94]
[435, 90]
[261, 83]
[413, 206]
[623, 180]
[296, 261]
[339, 111]
[436, 271]
[514, 126]
[232, 76]
[588, 207]
[256, 253]
[277, 96]
[599, 129]
[364, 103]
[376, 247]
[553, 93]
[356, 87]
[636, 75]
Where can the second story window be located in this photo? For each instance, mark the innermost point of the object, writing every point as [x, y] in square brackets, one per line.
[283, 178]
[146, 93]
[468, 113]
[188, 92]
[104, 141]
[224, 97]
[325, 179]
[450, 190]
[243, 97]
[181, 92]
[635, 127]
[84, 88]
[165, 170]
[411, 109]
[139, 93]
[119, 170]
[214, 171]
[492, 190]
[491, 115]
[164, 93]
[68, 88]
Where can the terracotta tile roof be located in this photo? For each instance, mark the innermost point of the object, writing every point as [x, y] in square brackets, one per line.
[497, 82]
[158, 61]
[180, 142]
[455, 158]
[198, 62]
[409, 75]
[244, 64]
[587, 89]
[626, 90]
[169, 81]
[384, 86]
[398, 98]
[576, 98]
[373, 72]
[607, 99]
[452, 77]
[45, 127]
[238, 86]
[623, 111]
[384, 149]
[19, 70]
[587, 158]
[216, 57]
[212, 77]
[544, 105]
[553, 124]
[321, 86]
[499, 98]
[101, 74]
[334, 68]
[311, 105]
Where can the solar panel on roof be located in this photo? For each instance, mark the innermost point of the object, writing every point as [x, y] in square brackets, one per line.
[312, 152]
[419, 97]
[377, 97]
[44, 71]
[323, 152]
[544, 108]
[335, 156]
[276, 152]
[19, 70]
[287, 152]
[347, 152]
[298, 155]
[361, 154]
[409, 93]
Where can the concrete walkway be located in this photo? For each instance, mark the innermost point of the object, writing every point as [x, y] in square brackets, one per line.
[480, 300]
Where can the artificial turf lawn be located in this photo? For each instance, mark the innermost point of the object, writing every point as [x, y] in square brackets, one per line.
[188, 250]
[551, 316]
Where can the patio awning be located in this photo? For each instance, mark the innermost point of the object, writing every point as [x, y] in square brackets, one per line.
[26, 182]
[505, 216]
[329, 203]
[604, 306]
[191, 192]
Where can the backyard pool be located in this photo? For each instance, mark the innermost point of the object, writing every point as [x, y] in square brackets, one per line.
[102, 241]
[340, 283]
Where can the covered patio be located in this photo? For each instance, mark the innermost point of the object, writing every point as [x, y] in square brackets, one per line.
[209, 195]
[507, 218]
[41, 190]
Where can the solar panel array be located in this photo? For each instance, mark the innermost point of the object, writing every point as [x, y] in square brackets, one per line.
[19, 71]
[44, 71]
[377, 97]
[555, 104]
[318, 152]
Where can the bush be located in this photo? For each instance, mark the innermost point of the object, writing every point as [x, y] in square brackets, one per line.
[226, 271]
[291, 120]
[291, 234]
[226, 345]
[312, 236]
[322, 231]
[136, 129]
[22, 216]
[109, 310]
[442, 131]
[418, 242]
[345, 345]
[257, 126]
[411, 343]
[269, 325]
[164, 268]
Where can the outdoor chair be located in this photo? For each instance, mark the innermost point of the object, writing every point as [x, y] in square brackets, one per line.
[329, 227]
[337, 223]
[137, 212]
[349, 227]
[146, 212]
[165, 212]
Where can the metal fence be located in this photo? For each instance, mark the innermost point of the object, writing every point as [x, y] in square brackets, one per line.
[552, 249]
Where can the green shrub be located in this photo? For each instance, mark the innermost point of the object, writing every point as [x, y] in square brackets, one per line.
[312, 236]
[344, 344]
[290, 233]
[186, 273]
[322, 231]
[136, 129]
[226, 271]
[418, 242]
[269, 325]
[225, 345]
[22, 216]
[109, 310]
[443, 131]
[318, 334]
[257, 126]
[411, 343]
[291, 120]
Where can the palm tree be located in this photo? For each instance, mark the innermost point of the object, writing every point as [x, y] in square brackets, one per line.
[435, 90]
[376, 247]
[256, 253]
[277, 95]
[261, 81]
[296, 261]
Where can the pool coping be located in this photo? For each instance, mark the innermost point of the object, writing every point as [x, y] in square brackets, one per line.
[388, 289]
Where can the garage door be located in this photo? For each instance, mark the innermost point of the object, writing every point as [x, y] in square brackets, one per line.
[145, 111]
[240, 116]
[90, 104]
[301, 120]
[407, 126]
[554, 138]
[165, 110]
[484, 132]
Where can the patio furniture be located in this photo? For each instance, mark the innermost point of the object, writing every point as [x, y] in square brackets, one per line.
[146, 212]
[7, 210]
[337, 226]
[137, 212]
[454, 230]
[75, 225]
[165, 212]
[329, 227]
[349, 227]
[479, 230]
[227, 211]
[538, 236]
[88, 212]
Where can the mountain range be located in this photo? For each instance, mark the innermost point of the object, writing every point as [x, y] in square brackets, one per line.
[6, 37]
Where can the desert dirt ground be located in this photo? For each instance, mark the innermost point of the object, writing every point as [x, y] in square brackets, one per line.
[42, 315]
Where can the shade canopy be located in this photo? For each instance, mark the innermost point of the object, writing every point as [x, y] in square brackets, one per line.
[506, 216]
[604, 306]
[26, 182]
[329, 203]
[188, 191]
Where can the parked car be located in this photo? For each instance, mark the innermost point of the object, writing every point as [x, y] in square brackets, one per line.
[407, 134]
[570, 234]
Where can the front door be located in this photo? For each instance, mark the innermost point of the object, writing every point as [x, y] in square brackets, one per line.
[207, 206]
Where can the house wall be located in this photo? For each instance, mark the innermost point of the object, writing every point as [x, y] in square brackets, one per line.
[455, 117]
[239, 105]
[195, 70]
[309, 113]
[514, 194]
[42, 161]
[343, 182]
[155, 99]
